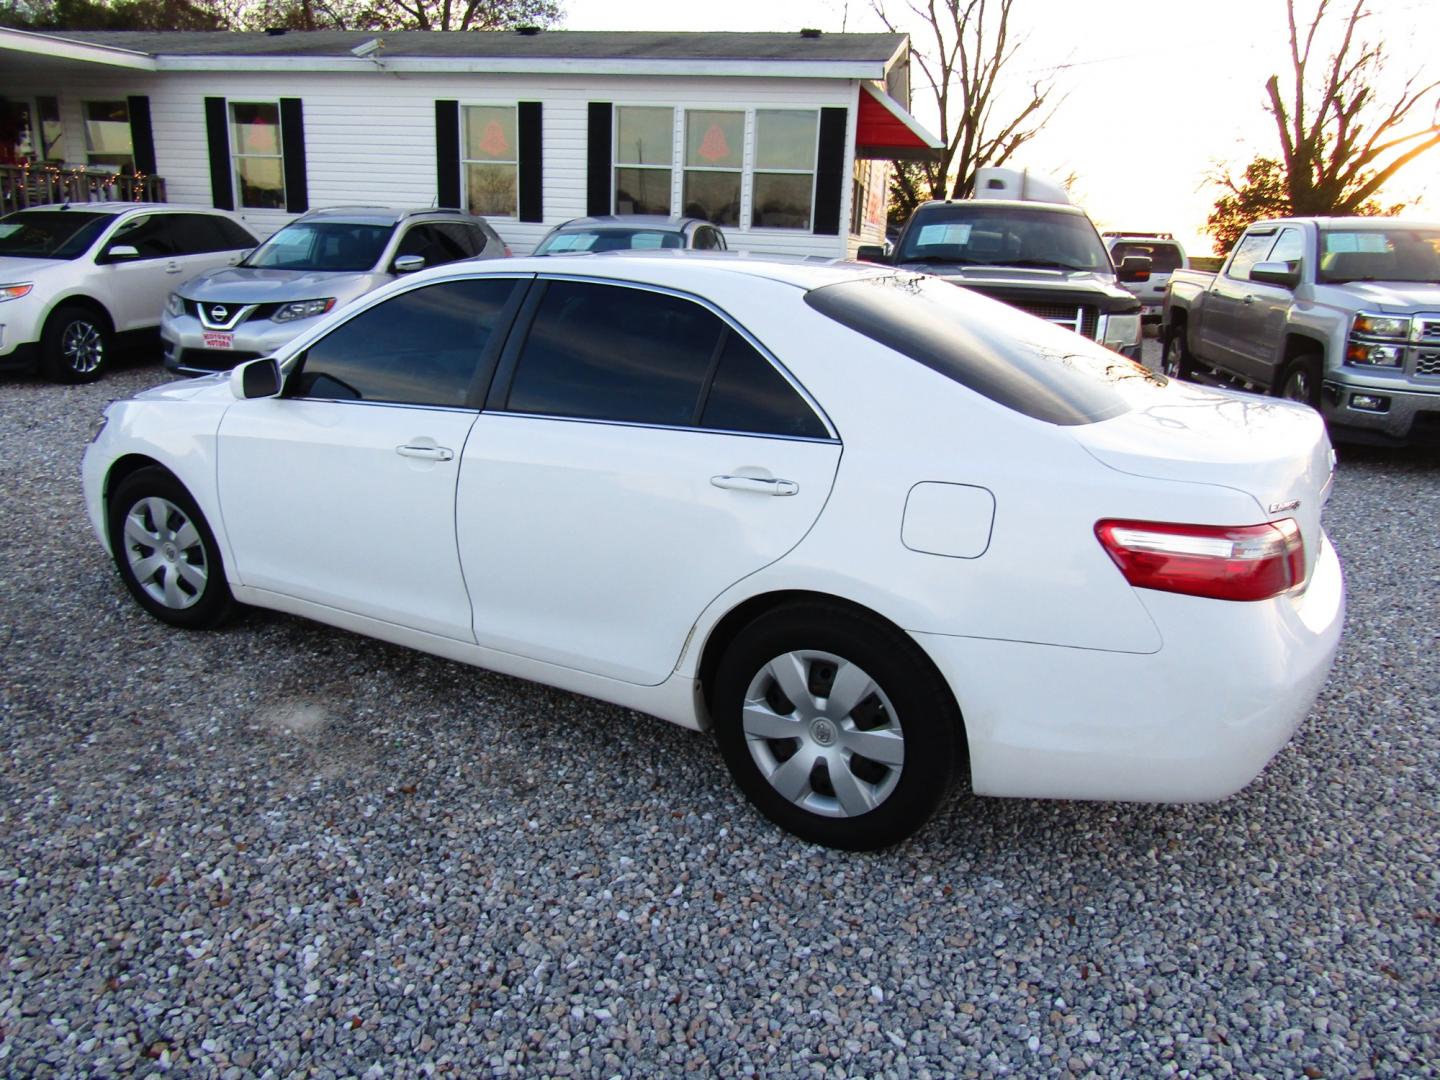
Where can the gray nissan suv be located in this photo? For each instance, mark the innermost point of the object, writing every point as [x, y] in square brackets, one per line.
[318, 262]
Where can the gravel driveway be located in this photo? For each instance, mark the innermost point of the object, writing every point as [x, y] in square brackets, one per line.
[281, 850]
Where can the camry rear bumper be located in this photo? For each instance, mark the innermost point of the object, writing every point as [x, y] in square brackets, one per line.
[1196, 721]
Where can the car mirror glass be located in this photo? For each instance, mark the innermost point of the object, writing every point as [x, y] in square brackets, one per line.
[874, 253]
[1134, 268]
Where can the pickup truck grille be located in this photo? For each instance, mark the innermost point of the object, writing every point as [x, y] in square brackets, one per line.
[1427, 363]
[1083, 320]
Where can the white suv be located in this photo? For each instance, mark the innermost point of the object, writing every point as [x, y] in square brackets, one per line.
[1165, 255]
[72, 278]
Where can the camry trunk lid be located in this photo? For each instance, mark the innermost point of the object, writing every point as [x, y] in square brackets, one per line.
[1275, 451]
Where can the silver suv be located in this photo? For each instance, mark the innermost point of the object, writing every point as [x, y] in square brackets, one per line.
[318, 262]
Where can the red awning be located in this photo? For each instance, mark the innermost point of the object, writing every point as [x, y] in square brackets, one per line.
[885, 130]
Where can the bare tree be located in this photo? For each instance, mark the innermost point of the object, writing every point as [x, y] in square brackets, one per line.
[1339, 143]
[983, 121]
[393, 14]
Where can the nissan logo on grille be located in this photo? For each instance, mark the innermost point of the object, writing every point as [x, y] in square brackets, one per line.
[219, 313]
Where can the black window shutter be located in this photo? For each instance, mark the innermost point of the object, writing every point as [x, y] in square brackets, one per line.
[292, 146]
[830, 172]
[599, 155]
[142, 135]
[447, 154]
[217, 134]
[531, 163]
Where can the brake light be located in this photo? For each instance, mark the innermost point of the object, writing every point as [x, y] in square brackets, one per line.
[1245, 562]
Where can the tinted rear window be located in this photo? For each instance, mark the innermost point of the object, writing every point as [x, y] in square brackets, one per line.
[1019, 361]
[1164, 258]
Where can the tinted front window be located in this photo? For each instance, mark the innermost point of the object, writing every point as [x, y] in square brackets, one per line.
[1381, 252]
[420, 348]
[1289, 247]
[1020, 362]
[611, 353]
[197, 234]
[748, 394]
[154, 236]
[47, 234]
[432, 244]
[323, 245]
[980, 234]
[1252, 250]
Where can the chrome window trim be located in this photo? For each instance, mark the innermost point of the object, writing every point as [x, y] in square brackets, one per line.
[734, 327]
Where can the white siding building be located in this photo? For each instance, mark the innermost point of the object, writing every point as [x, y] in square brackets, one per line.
[783, 140]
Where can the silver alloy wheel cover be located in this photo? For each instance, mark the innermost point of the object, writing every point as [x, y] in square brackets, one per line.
[165, 553]
[1297, 386]
[83, 346]
[825, 731]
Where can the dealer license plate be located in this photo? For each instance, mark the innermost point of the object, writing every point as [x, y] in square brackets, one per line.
[217, 340]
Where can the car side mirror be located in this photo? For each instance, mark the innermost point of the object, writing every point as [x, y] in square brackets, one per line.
[1134, 268]
[1286, 275]
[873, 253]
[408, 264]
[120, 253]
[256, 379]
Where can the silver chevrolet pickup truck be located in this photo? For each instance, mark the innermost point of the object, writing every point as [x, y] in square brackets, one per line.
[1340, 313]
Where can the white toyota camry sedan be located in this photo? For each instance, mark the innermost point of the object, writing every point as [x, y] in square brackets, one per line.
[878, 533]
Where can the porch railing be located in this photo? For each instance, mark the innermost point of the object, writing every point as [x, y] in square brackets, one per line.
[37, 185]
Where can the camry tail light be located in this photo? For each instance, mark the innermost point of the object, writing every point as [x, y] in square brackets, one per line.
[1245, 562]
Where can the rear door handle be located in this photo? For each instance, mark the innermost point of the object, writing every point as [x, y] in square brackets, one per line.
[173, 268]
[1249, 300]
[756, 484]
[429, 453]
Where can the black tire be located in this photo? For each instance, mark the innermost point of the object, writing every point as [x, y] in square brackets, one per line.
[887, 802]
[76, 344]
[178, 578]
[1176, 359]
[1301, 381]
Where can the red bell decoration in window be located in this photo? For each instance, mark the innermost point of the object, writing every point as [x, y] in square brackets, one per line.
[714, 147]
[493, 141]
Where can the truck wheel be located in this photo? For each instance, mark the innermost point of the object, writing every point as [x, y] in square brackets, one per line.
[75, 346]
[1176, 359]
[1302, 381]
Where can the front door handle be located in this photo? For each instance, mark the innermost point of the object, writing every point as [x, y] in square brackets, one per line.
[1248, 300]
[429, 453]
[173, 268]
[756, 484]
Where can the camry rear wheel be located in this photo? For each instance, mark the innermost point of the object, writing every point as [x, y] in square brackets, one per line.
[836, 726]
[165, 551]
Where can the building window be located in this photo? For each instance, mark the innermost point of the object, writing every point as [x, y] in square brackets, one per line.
[107, 134]
[784, 182]
[644, 156]
[714, 159]
[491, 161]
[256, 152]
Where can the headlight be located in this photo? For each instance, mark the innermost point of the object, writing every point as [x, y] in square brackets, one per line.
[14, 292]
[1391, 326]
[1360, 352]
[174, 305]
[1121, 330]
[303, 309]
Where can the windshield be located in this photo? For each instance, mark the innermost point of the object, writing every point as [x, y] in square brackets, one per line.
[322, 245]
[977, 234]
[609, 240]
[1381, 252]
[1018, 361]
[50, 234]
